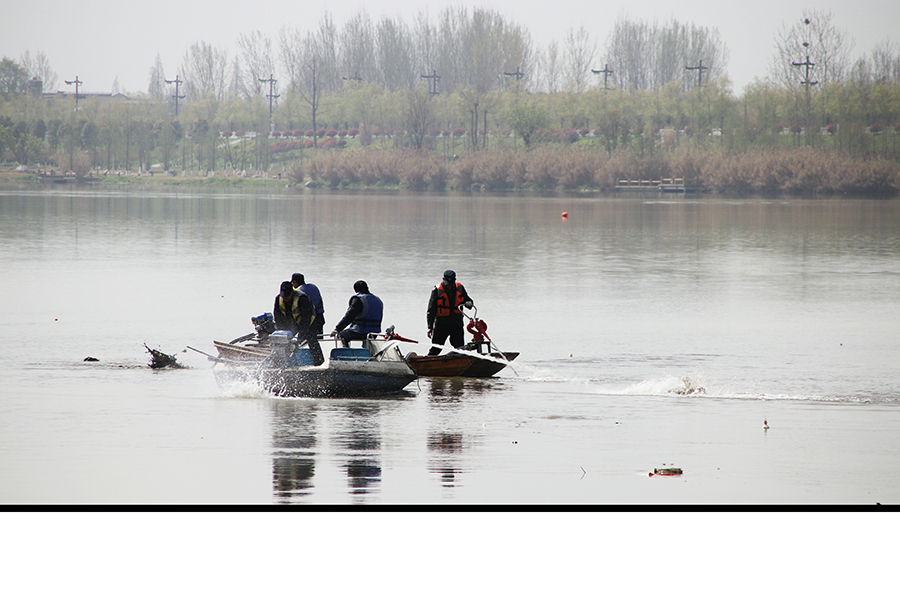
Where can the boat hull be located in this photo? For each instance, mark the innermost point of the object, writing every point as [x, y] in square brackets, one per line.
[460, 365]
[347, 372]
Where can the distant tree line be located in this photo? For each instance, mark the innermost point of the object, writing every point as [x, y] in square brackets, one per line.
[467, 80]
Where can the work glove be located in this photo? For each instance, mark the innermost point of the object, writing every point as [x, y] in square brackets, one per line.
[469, 304]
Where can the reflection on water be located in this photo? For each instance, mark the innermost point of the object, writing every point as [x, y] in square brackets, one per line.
[349, 431]
[455, 389]
[358, 434]
[294, 449]
[444, 450]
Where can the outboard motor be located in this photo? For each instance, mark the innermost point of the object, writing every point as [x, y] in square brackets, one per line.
[283, 347]
[264, 325]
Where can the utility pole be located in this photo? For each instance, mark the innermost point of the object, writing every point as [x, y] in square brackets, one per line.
[517, 74]
[606, 73]
[271, 96]
[806, 82]
[77, 95]
[177, 82]
[432, 84]
[699, 68]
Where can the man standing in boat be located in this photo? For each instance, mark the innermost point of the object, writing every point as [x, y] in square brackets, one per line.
[294, 312]
[445, 318]
[363, 315]
[315, 296]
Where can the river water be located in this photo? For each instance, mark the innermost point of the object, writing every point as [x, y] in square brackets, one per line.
[783, 311]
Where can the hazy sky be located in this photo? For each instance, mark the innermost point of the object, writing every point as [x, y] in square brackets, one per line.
[101, 40]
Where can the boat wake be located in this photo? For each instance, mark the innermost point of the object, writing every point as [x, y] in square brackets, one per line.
[684, 386]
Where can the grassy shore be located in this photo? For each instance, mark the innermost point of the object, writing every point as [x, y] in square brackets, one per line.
[774, 172]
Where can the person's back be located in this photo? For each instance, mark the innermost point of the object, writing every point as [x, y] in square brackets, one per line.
[363, 315]
[369, 320]
[315, 297]
[294, 312]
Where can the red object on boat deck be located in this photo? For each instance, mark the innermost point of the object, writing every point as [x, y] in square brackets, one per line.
[478, 329]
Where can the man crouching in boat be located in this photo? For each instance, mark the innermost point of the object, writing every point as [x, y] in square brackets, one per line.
[294, 312]
[445, 319]
[363, 315]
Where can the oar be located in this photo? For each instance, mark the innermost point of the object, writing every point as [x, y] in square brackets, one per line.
[210, 356]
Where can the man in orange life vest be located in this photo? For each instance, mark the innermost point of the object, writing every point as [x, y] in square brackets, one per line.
[444, 315]
[294, 312]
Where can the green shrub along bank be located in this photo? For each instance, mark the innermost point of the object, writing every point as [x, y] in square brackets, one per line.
[768, 172]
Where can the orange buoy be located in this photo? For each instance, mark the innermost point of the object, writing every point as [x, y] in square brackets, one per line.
[565, 215]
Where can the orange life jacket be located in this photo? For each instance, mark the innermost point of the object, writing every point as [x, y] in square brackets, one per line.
[444, 306]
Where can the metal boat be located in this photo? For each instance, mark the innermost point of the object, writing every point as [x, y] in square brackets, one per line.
[283, 368]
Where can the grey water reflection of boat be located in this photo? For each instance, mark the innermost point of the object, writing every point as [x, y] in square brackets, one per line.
[282, 368]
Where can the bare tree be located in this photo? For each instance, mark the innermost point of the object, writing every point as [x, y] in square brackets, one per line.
[38, 66]
[357, 49]
[417, 114]
[827, 47]
[886, 61]
[549, 64]
[395, 65]
[650, 55]
[203, 69]
[157, 87]
[580, 54]
[257, 60]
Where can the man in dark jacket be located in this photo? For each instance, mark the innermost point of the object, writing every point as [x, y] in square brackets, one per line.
[294, 312]
[363, 315]
[315, 296]
[445, 318]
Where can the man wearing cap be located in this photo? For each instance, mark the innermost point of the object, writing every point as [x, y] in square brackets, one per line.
[445, 318]
[295, 313]
[315, 296]
[363, 315]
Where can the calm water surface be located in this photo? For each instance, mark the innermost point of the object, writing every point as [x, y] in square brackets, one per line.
[785, 311]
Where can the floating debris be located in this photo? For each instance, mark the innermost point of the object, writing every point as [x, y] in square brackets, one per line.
[91, 359]
[160, 360]
[669, 471]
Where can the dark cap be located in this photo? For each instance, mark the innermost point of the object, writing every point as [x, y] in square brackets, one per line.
[298, 278]
[449, 275]
[286, 288]
[361, 287]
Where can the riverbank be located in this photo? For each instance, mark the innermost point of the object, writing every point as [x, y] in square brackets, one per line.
[766, 173]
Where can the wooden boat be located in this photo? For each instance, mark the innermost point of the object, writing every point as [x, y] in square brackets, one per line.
[376, 368]
[480, 359]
